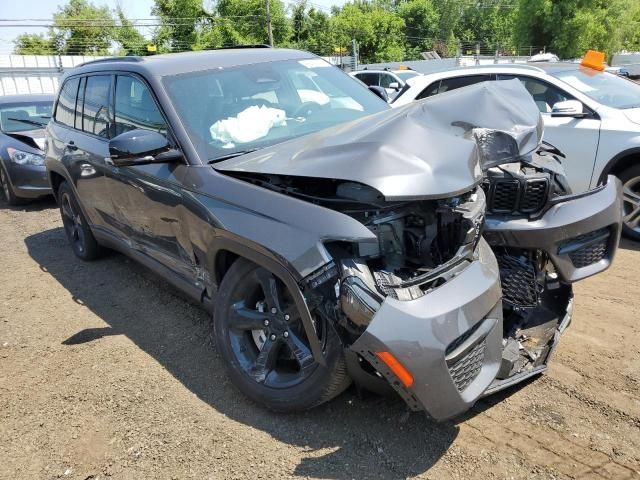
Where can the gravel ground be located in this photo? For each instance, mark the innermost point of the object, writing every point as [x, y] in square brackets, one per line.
[106, 371]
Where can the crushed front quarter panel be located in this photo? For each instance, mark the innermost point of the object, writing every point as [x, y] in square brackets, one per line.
[419, 332]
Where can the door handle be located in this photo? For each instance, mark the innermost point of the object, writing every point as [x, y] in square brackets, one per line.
[71, 145]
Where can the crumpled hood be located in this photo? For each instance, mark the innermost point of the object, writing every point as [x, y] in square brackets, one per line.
[33, 138]
[422, 150]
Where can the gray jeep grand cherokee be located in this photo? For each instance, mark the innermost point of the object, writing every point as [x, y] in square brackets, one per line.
[332, 238]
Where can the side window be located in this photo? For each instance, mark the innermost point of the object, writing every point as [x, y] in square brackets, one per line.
[65, 110]
[135, 107]
[430, 90]
[448, 84]
[386, 80]
[544, 94]
[96, 115]
[369, 78]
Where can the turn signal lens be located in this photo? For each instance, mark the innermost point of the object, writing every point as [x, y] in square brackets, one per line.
[396, 367]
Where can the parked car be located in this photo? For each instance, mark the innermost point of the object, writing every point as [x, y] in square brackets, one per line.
[332, 241]
[22, 171]
[593, 117]
[391, 80]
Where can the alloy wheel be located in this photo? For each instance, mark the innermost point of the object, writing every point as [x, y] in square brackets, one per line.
[5, 185]
[631, 204]
[72, 221]
[266, 333]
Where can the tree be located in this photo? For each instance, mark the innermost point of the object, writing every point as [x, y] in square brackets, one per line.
[311, 30]
[80, 28]
[33, 44]
[131, 40]
[421, 21]
[379, 32]
[181, 22]
[245, 22]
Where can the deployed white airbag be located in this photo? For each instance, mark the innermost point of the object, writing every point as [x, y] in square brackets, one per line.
[250, 124]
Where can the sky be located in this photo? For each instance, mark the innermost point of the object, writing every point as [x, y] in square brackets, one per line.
[44, 9]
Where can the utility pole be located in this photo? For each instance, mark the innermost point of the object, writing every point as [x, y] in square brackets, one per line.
[269, 30]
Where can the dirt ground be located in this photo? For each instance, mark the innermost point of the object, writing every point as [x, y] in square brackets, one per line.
[106, 371]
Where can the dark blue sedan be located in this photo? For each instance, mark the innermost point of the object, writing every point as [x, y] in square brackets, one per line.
[22, 121]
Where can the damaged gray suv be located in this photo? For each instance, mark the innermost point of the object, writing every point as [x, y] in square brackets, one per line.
[428, 250]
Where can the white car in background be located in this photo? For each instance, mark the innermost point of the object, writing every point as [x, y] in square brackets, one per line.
[391, 80]
[592, 116]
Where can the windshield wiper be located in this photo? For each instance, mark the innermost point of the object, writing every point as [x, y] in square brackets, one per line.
[28, 122]
[231, 155]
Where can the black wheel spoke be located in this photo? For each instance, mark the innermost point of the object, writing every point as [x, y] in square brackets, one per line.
[67, 211]
[265, 361]
[271, 288]
[300, 350]
[243, 318]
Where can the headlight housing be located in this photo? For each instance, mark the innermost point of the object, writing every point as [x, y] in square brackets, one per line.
[25, 158]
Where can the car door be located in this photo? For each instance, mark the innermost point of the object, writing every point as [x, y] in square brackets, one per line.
[83, 109]
[147, 198]
[577, 138]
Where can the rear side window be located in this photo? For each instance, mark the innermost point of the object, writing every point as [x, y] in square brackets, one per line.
[66, 107]
[96, 116]
[430, 90]
[135, 107]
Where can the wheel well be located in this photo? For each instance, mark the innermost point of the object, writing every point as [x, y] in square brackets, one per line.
[56, 179]
[619, 165]
[224, 260]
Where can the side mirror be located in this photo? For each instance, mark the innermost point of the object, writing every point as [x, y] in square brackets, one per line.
[395, 86]
[568, 108]
[141, 147]
[380, 92]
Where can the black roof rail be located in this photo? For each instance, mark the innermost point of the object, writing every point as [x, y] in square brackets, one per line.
[128, 59]
[255, 45]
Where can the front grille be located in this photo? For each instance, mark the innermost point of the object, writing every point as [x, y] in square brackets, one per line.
[465, 370]
[518, 277]
[514, 196]
[535, 195]
[587, 249]
[505, 196]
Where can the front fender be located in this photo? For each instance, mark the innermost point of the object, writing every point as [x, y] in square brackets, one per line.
[580, 233]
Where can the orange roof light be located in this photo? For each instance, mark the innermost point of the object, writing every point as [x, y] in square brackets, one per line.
[403, 67]
[396, 367]
[593, 59]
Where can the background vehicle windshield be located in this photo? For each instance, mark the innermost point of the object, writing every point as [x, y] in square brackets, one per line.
[610, 90]
[19, 117]
[254, 106]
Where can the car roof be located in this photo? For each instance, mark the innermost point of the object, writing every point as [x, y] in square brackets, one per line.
[29, 97]
[184, 62]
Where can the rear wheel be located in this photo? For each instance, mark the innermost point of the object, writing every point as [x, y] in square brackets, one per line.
[7, 190]
[75, 224]
[630, 179]
[260, 335]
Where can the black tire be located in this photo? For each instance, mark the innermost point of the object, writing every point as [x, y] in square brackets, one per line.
[6, 190]
[630, 179]
[289, 379]
[75, 224]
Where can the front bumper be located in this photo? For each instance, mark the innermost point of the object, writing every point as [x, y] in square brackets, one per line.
[29, 181]
[580, 233]
[449, 339]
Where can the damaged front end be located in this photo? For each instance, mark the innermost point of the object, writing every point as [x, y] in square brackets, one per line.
[462, 284]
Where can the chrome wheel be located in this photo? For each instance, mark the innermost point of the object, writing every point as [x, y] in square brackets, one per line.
[631, 204]
[72, 221]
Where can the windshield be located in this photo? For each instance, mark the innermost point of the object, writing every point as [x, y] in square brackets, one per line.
[254, 106]
[22, 116]
[406, 75]
[603, 87]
